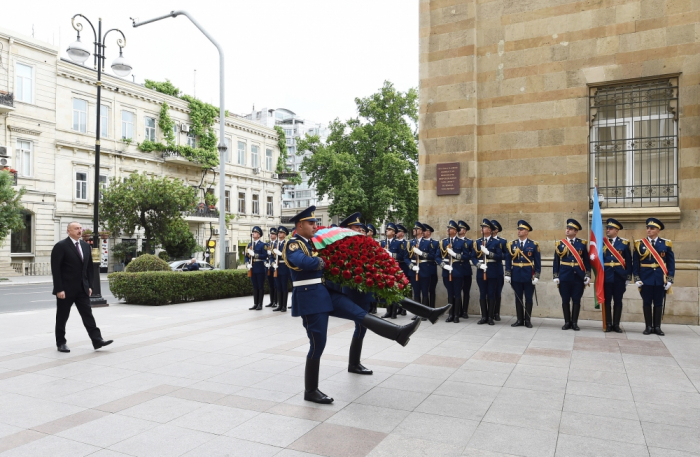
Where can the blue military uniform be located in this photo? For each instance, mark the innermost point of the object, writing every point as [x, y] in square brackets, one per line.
[618, 273]
[569, 275]
[523, 268]
[427, 268]
[282, 278]
[453, 253]
[271, 265]
[394, 246]
[412, 259]
[501, 279]
[466, 268]
[432, 288]
[649, 275]
[488, 280]
[256, 264]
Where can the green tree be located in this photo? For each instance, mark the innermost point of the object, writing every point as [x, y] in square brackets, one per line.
[154, 204]
[370, 163]
[178, 241]
[10, 206]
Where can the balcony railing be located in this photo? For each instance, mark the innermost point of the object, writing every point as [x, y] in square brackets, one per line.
[7, 102]
[203, 210]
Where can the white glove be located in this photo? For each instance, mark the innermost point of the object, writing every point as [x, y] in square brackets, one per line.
[586, 280]
[277, 252]
[248, 266]
[388, 251]
[417, 251]
[556, 281]
[415, 268]
[451, 252]
[447, 267]
[535, 281]
[484, 250]
[639, 283]
[482, 266]
[251, 253]
[507, 279]
[267, 264]
[668, 285]
[321, 264]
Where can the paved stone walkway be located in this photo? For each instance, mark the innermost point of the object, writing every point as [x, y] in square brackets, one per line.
[214, 379]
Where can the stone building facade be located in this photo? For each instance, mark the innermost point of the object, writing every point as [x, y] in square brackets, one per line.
[540, 100]
[49, 133]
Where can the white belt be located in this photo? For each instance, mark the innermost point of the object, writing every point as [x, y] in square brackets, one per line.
[307, 282]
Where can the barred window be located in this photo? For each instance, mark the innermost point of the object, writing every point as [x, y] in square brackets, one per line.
[634, 143]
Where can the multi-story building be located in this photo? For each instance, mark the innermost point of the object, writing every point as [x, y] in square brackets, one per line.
[540, 101]
[301, 195]
[48, 132]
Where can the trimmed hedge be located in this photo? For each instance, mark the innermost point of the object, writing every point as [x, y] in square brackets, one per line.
[147, 262]
[165, 287]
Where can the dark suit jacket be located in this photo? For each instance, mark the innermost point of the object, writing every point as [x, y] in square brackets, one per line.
[71, 274]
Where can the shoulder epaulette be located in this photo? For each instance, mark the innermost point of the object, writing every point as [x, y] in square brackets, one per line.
[669, 243]
[536, 243]
[556, 244]
[625, 242]
[584, 241]
[508, 245]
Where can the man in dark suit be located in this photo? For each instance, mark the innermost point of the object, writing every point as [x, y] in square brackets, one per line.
[72, 270]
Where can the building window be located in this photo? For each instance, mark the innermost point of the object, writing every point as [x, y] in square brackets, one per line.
[24, 158]
[291, 150]
[176, 137]
[21, 240]
[81, 186]
[227, 201]
[241, 153]
[24, 83]
[256, 204]
[80, 115]
[227, 142]
[241, 202]
[150, 124]
[254, 157]
[103, 184]
[104, 121]
[634, 143]
[191, 140]
[268, 159]
[270, 207]
[127, 125]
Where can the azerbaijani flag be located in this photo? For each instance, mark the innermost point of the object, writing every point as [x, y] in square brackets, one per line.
[327, 236]
[596, 250]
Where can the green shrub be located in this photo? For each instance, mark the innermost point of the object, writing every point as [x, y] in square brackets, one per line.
[163, 256]
[147, 262]
[162, 288]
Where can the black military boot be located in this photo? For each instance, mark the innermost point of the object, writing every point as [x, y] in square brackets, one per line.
[484, 312]
[354, 365]
[278, 301]
[311, 392]
[658, 314]
[608, 319]
[617, 314]
[492, 311]
[399, 333]
[373, 309]
[255, 300]
[284, 297]
[394, 311]
[465, 306]
[647, 321]
[518, 314]
[432, 299]
[261, 298]
[450, 316]
[567, 316]
[457, 306]
[387, 314]
[423, 311]
[497, 312]
[574, 316]
[528, 315]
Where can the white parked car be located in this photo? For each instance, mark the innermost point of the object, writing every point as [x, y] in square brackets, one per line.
[179, 265]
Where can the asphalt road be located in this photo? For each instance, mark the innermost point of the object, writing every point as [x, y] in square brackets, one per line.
[27, 297]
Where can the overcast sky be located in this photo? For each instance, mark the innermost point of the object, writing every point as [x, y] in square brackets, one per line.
[311, 56]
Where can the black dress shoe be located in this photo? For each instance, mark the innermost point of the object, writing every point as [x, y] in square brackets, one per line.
[517, 324]
[497, 317]
[574, 325]
[317, 396]
[617, 329]
[101, 343]
[566, 326]
[449, 319]
[491, 322]
[253, 308]
[456, 319]
[608, 328]
[63, 348]
[528, 324]
[483, 320]
[359, 369]
[269, 305]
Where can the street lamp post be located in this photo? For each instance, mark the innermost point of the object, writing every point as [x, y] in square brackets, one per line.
[79, 53]
[222, 119]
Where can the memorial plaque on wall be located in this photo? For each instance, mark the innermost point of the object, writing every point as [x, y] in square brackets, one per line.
[447, 178]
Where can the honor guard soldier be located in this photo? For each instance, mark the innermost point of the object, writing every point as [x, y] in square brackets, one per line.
[617, 257]
[413, 261]
[392, 246]
[452, 253]
[423, 252]
[523, 267]
[255, 258]
[501, 278]
[403, 257]
[282, 270]
[371, 230]
[466, 267]
[487, 253]
[654, 268]
[310, 299]
[432, 292]
[571, 272]
[271, 265]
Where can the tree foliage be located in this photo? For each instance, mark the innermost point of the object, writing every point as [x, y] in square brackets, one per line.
[154, 204]
[370, 163]
[10, 206]
[163, 87]
[179, 242]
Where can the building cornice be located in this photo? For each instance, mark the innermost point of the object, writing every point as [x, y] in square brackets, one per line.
[23, 130]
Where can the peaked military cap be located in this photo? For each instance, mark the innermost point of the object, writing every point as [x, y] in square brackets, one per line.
[401, 228]
[371, 228]
[496, 224]
[463, 225]
[654, 222]
[305, 215]
[283, 229]
[273, 231]
[573, 223]
[487, 223]
[391, 226]
[334, 225]
[419, 226]
[428, 228]
[452, 225]
[613, 223]
[257, 229]
[353, 219]
[524, 225]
